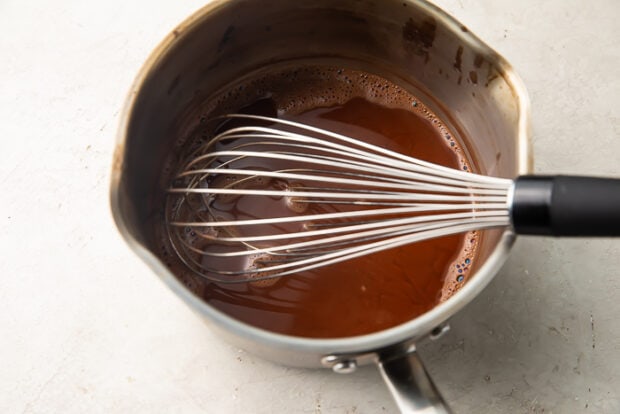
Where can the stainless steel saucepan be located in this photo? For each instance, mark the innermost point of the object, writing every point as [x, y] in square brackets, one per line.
[410, 42]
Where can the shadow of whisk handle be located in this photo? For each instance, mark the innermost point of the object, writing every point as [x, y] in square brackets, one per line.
[566, 206]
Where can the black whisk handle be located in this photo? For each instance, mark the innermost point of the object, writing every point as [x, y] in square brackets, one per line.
[566, 206]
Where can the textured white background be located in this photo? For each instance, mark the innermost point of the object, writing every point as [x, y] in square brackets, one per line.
[86, 327]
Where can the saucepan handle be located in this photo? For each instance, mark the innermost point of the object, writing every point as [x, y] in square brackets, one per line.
[566, 206]
[410, 385]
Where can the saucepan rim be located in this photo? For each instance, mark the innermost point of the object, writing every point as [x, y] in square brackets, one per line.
[412, 329]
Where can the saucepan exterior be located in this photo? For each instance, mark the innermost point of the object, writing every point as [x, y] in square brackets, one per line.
[412, 43]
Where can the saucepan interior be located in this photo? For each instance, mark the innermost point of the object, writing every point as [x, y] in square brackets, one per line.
[411, 43]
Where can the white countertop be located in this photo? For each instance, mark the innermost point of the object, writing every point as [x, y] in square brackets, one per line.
[86, 327]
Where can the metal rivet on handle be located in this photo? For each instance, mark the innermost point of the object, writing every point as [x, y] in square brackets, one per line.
[329, 360]
[439, 331]
[345, 367]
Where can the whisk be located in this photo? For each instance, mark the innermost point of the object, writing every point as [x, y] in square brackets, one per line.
[272, 197]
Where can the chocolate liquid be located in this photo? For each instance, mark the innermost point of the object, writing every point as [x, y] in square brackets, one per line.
[362, 295]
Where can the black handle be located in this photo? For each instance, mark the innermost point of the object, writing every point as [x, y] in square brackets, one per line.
[566, 206]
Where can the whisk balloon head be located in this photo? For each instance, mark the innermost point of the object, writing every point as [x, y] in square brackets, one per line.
[270, 197]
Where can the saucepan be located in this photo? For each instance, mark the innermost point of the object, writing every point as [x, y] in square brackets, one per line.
[411, 42]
